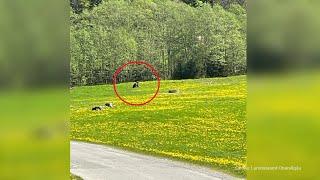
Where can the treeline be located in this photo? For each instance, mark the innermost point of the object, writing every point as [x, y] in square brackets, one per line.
[223, 3]
[79, 5]
[181, 41]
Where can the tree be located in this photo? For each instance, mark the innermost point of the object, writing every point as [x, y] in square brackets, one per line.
[180, 41]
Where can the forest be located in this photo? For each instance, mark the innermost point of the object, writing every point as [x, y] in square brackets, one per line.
[181, 39]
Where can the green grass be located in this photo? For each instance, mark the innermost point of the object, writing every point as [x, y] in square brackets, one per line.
[204, 123]
[74, 177]
[34, 134]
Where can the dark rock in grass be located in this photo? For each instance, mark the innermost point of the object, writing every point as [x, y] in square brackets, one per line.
[97, 108]
[109, 105]
[172, 91]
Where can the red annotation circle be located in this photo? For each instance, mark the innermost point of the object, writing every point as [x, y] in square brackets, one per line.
[150, 67]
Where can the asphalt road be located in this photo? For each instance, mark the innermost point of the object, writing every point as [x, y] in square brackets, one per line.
[99, 162]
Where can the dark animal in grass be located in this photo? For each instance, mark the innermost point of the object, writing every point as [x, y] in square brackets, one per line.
[135, 84]
[109, 105]
[43, 132]
[172, 91]
[97, 108]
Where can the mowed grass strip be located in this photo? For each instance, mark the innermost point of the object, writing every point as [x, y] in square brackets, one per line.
[204, 123]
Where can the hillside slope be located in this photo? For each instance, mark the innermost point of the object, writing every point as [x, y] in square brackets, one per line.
[203, 123]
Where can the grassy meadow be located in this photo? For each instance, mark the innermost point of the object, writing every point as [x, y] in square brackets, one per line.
[204, 123]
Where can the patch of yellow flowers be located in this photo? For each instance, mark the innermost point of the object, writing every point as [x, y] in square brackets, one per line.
[204, 122]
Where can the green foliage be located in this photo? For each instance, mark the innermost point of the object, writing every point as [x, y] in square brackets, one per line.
[180, 41]
[204, 122]
[223, 3]
[79, 5]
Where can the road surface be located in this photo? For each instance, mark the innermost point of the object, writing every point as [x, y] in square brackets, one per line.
[99, 162]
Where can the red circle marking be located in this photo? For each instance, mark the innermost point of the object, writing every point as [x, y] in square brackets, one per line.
[149, 66]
